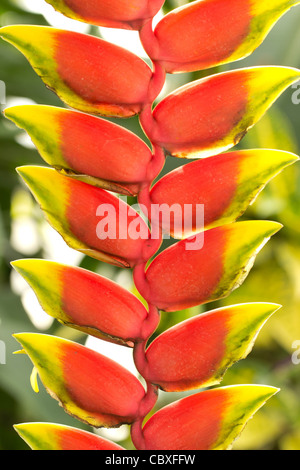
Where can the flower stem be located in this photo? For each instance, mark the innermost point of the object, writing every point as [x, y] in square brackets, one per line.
[147, 404]
[151, 322]
[149, 40]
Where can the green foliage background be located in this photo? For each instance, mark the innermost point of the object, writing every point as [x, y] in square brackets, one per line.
[274, 278]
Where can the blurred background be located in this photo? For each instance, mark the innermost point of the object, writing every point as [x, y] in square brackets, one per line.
[274, 277]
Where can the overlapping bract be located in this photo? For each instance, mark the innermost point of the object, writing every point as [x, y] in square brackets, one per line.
[41, 436]
[85, 300]
[112, 157]
[90, 219]
[197, 352]
[213, 114]
[209, 420]
[110, 13]
[87, 73]
[188, 274]
[193, 37]
[196, 203]
[90, 386]
[91, 157]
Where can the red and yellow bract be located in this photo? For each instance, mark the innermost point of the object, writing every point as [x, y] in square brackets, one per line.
[238, 178]
[87, 384]
[192, 123]
[193, 37]
[111, 13]
[208, 420]
[86, 147]
[88, 73]
[58, 437]
[72, 208]
[197, 352]
[183, 275]
[85, 300]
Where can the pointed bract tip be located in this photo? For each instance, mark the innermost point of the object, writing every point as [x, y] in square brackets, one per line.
[18, 264]
[21, 265]
[265, 228]
[19, 428]
[4, 30]
[11, 112]
[269, 390]
[273, 227]
[23, 338]
[275, 307]
[283, 158]
[15, 33]
[40, 176]
[24, 172]
[294, 157]
[25, 169]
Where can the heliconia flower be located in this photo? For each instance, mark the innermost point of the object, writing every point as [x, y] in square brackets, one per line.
[212, 114]
[209, 420]
[84, 300]
[90, 219]
[207, 266]
[207, 33]
[50, 436]
[224, 184]
[127, 14]
[86, 72]
[86, 147]
[197, 352]
[90, 386]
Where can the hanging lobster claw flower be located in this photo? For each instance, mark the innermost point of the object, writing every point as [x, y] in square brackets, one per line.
[127, 14]
[48, 436]
[87, 73]
[208, 33]
[207, 266]
[209, 420]
[84, 300]
[213, 114]
[85, 147]
[89, 386]
[197, 352]
[91, 220]
[214, 191]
